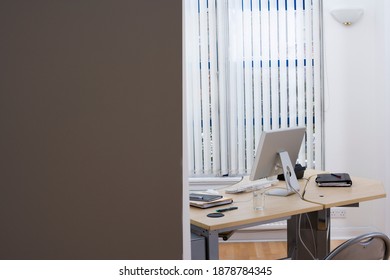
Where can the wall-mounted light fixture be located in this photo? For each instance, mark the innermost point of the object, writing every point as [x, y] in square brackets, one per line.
[347, 16]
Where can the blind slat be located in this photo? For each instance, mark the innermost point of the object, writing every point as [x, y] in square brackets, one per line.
[292, 66]
[240, 96]
[318, 158]
[214, 90]
[309, 86]
[223, 84]
[234, 12]
[274, 57]
[265, 54]
[283, 67]
[300, 42]
[256, 71]
[205, 85]
[248, 84]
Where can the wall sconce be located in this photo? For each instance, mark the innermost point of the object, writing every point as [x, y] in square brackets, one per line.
[347, 16]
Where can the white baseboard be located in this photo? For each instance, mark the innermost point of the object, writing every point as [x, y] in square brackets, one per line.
[276, 231]
[257, 234]
[344, 233]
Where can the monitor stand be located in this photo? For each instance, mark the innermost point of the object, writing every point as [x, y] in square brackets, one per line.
[292, 185]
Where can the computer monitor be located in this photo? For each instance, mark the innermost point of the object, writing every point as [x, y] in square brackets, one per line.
[276, 151]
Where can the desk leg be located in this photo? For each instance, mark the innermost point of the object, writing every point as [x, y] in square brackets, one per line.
[308, 235]
[212, 242]
[292, 235]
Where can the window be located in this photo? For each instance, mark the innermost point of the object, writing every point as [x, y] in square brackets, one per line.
[250, 66]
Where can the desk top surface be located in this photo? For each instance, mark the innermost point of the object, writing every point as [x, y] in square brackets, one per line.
[276, 208]
[362, 189]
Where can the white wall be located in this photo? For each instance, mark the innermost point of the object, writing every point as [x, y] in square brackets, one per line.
[355, 106]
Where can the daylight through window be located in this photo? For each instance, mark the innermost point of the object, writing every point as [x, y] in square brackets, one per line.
[250, 66]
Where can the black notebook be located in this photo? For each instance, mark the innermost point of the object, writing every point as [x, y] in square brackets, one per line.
[334, 180]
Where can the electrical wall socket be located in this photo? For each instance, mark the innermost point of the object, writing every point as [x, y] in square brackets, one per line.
[338, 213]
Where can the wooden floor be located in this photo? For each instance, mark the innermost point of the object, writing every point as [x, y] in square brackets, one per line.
[258, 250]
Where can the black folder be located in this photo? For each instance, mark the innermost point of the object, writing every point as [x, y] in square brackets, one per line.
[334, 180]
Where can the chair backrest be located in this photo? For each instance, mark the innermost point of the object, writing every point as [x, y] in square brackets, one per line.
[370, 246]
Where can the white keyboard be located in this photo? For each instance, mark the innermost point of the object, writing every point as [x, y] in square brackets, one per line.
[251, 186]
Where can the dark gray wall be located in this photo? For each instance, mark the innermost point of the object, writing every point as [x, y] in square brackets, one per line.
[90, 129]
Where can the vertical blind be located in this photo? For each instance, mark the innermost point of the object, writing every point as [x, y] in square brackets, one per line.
[250, 66]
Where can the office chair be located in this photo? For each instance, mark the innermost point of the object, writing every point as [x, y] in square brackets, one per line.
[369, 246]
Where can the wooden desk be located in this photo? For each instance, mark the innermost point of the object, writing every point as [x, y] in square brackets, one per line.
[315, 222]
[276, 208]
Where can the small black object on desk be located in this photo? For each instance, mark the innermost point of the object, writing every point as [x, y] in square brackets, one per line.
[299, 171]
[215, 215]
[226, 209]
